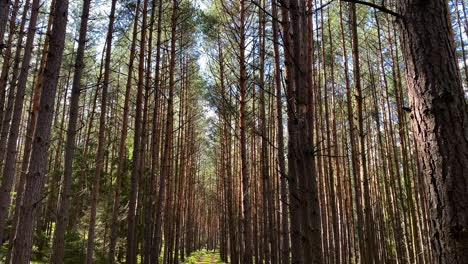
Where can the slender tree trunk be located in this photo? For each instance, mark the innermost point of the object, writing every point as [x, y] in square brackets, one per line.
[369, 247]
[154, 252]
[122, 147]
[99, 162]
[33, 191]
[285, 251]
[165, 163]
[148, 220]
[247, 257]
[7, 113]
[137, 145]
[64, 198]
[355, 170]
[4, 9]
[6, 60]
[10, 160]
[34, 109]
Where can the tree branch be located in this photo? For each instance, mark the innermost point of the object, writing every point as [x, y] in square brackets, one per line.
[380, 8]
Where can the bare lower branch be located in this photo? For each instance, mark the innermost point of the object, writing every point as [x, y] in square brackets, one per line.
[380, 8]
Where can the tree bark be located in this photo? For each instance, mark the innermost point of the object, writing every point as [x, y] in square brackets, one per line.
[167, 149]
[101, 138]
[4, 9]
[247, 257]
[284, 234]
[122, 147]
[154, 252]
[33, 191]
[137, 142]
[6, 61]
[10, 160]
[64, 198]
[368, 249]
[301, 155]
[439, 120]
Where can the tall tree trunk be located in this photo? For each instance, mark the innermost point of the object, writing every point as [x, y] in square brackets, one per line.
[355, 170]
[154, 252]
[35, 178]
[10, 160]
[301, 156]
[148, 220]
[439, 119]
[64, 198]
[122, 147]
[101, 138]
[269, 232]
[280, 141]
[4, 9]
[167, 149]
[34, 109]
[137, 145]
[369, 247]
[247, 257]
[6, 60]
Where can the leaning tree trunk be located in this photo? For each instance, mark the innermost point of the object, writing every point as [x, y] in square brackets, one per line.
[35, 178]
[122, 148]
[440, 122]
[9, 168]
[99, 162]
[64, 199]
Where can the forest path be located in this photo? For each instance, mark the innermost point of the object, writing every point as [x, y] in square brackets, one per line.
[208, 258]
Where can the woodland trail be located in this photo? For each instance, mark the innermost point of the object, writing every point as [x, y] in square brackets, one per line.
[208, 258]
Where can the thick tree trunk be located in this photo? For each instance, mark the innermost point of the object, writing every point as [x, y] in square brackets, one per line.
[440, 122]
[301, 156]
[64, 199]
[33, 192]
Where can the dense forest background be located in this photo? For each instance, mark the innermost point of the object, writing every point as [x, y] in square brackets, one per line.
[233, 131]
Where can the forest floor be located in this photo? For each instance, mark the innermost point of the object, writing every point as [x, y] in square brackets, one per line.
[204, 257]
